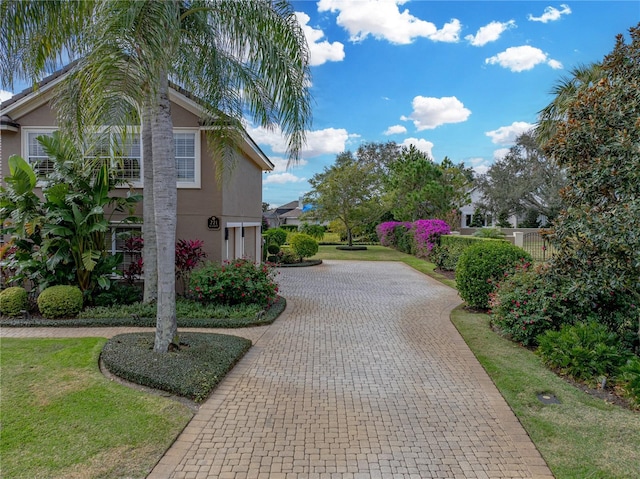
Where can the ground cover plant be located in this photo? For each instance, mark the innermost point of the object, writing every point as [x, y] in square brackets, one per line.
[192, 369]
[62, 418]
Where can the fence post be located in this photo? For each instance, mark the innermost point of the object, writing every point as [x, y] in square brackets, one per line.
[519, 238]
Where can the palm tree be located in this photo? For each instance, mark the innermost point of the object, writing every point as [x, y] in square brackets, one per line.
[238, 57]
[565, 93]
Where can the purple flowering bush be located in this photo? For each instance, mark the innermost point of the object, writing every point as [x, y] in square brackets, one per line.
[416, 238]
[426, 234]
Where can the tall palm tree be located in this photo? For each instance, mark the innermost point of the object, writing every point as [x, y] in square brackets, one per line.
[238, 57]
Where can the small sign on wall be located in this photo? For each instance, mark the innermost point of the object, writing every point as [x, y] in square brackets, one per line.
[213, 223]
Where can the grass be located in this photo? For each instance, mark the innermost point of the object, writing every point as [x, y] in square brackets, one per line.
[583, 437]
[61, 418]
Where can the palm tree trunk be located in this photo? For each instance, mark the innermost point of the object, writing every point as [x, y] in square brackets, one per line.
[165, 207]
[150, 251]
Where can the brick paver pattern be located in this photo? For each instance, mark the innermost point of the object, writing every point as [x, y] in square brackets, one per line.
[363, 376]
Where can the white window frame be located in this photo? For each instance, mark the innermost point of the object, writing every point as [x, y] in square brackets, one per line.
[112, 237]
[195, 184]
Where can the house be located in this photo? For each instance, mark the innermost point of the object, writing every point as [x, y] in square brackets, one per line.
[227, 217]
[287, 214]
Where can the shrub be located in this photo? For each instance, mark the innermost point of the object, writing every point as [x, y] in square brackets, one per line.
[426, 234]
[189, 254]
[118, 294]
[527, 303]
[60, 301]
[629, 379]
[584, 351]
[388, 232]
[494, 233]
[240, 281]
[446, 255]
[193, 372]
[276, 236]
[13, 301]
[482, 266]
[273, 249]
[303, 246]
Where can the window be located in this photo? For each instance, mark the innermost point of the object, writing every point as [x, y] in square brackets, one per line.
[121, 238]
[35, 155]
[124, 154]
[187, 158]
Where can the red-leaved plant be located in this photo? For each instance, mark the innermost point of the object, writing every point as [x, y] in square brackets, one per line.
[189, 254]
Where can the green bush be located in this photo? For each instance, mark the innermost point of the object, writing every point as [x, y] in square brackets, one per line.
[585, 351]
[240, 281]
[118, 294]
[315, 231]
[192, 372]
[303, 246]
[60, 301]
[482, 266]
[446, 255]
[276, 236]
[629, 379]
[493, 233]
[528, 303]
[273, 249]
[13, 301]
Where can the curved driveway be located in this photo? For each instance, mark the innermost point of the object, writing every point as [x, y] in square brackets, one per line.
[363, 376]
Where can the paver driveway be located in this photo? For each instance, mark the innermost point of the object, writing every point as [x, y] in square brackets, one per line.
[363, 376]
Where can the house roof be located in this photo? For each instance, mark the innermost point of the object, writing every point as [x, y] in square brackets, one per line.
[33, 97]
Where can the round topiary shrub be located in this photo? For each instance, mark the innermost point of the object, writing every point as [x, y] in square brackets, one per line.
[482, 266]
[303, 246]
[13, 301]
[60, 301]
[276, 236]
[273, 249]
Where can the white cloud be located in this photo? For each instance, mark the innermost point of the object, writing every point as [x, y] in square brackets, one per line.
[429, 112]
[525, 57]
[319, 142]
[395, 130]
[383, 20]
[479, 165]
[281, 164]
[489, 33]
[281, 179]
[422, 145]
[5, 95]
[321, 50]
[506, 135]
[551, 14]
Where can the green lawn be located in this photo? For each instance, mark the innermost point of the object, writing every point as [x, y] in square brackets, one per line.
[62, 418]
[583, 437]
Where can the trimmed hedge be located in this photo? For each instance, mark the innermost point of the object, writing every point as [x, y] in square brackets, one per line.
[13, 301]
[303, 245]
[60, 301]
[482, 266]
[193, 371]
[446, 255]
[149, 320]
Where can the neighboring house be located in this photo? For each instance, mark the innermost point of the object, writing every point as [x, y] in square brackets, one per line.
[288, 214]
[469, 210]
[227, 216]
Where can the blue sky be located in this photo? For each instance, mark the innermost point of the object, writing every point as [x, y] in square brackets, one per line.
[455, 78]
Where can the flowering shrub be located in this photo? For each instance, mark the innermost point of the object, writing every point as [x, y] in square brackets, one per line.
[240, 281]
[527, 303]
[426, 234]
[387, 232]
